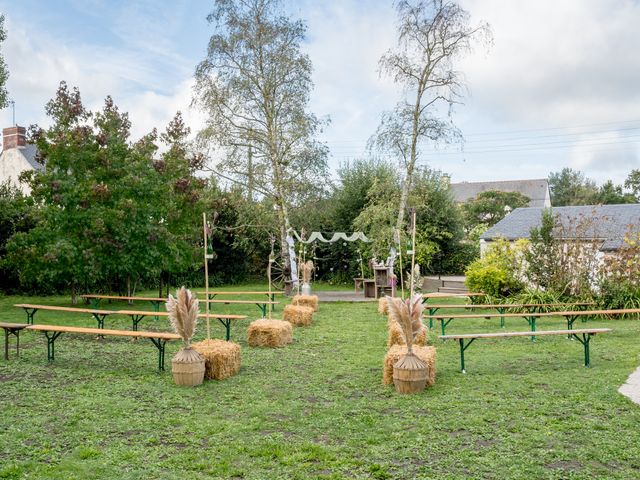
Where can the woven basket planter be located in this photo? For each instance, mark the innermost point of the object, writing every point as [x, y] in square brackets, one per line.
[187, 367]
[426, 354]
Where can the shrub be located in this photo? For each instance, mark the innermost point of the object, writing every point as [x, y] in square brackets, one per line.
[498, 273]
[614, 295]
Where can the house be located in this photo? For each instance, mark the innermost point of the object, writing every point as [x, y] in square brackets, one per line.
[604, 225]
[536, 190]
[17, 156]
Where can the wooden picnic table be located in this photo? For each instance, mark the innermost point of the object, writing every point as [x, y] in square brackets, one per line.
[586, 333]
[501, 307]
[52, 332]
[98, 315]
[12, 329]
[531, 317]
[224, 318]
[136, 315]
[95, 299]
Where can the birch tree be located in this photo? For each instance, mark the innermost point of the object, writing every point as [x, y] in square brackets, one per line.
[432, 36]
[255, 84]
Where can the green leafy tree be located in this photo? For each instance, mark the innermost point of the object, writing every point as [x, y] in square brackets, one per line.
[611, 194]
[571, 187]
[17, 214]
[633, 183]
[492, 206]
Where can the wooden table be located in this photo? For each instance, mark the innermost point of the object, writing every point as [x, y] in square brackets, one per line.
[427, 296]
[224, 318]
[502, 308]
[98, 315]
[95, 300]
[12, 329]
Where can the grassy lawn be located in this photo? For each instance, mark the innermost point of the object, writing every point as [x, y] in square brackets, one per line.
[317, 409]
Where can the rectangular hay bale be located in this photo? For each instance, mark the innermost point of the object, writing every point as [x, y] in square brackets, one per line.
[306, 301]
[396, 337]
[222, 358]
[383, 306]
[426, 354]
[298, 315]
[269, 333]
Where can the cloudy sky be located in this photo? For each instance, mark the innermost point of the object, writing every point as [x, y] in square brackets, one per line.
[559, 87]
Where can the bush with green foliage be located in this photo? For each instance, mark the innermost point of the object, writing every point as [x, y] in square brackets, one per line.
[499, 272]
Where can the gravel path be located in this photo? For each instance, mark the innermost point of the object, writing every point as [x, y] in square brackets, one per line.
[631, 388]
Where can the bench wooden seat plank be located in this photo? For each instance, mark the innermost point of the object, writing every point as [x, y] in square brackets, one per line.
[12, 329]
[52, 332]
[224, 318]
[31, 309]
[501, 308]
[531, 317]
[427, 296]
[586, 334]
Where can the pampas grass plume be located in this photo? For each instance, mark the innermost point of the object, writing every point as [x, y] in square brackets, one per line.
[183, 313]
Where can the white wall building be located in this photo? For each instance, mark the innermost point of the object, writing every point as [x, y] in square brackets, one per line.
[17, 156]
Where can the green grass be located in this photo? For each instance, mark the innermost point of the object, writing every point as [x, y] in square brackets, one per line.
[317, 409]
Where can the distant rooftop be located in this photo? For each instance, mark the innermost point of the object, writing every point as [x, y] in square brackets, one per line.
[609, 223]
[537, 190]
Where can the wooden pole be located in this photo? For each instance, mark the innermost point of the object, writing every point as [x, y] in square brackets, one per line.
[401, 267]
[206, 274]
[413, 249]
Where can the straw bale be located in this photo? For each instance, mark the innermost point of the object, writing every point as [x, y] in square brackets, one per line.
[269, 333]
[396, 337]
[426, 354]
[306, 301]
[383, 306]
[298, 315]
[222, 358]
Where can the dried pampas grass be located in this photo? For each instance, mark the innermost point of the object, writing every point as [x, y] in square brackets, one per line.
[306, 301]
[269, 333]
[407, 314]
[426, 354]
[183, 314]
[396, 336]
[297, 315]
[222, 358]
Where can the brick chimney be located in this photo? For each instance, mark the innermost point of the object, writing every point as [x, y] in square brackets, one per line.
[14, 137]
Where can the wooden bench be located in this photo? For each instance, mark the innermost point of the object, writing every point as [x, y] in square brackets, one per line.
[98, 315]
[224, 318]
[262, 305]
[12, 329]
[531, 317]
[95, 300]
[428, 296]
[52, 332]
[502, 308]
[586, 333]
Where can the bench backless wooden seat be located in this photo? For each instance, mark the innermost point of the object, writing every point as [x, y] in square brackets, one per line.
[583, 335]
[224, 318]
[12, 329]
[52, 332]
[570, 316]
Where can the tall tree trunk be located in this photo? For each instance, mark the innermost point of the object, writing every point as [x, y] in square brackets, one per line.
[74, 293]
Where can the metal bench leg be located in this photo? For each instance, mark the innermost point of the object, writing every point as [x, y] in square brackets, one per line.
[585, 340]
[99, 318]
[30, 313]
[444, 324]
[532, 323]
[227, 324]
[156, 308]
[432, 312]
[160, 344]
[570, 320]
[463, 347]
[263, 309]
[6, 344]
[501, 312]
[95, 303]
[51, 344]
[135, 320]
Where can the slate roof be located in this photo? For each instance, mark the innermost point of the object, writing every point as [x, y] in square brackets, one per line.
[29, 152]
[537, 190]
[609, 223]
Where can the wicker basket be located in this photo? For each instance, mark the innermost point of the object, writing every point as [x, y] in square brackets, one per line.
[187, 367]
[410, 374]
